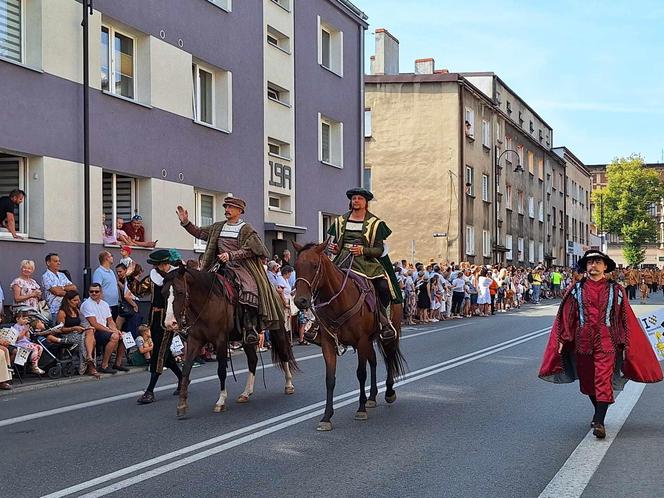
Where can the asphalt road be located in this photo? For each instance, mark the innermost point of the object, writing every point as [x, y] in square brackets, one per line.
[471, 419]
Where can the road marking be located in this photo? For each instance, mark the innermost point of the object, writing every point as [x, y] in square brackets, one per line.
[246, 434]
[573, 477]
[134, 394]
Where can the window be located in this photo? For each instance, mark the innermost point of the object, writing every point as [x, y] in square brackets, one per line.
[509, 107]
[212, 88]
[366, 178]
[499, 133]
[470, 189]
[367, 123]
[485, 188]
[223, 4]
[330, 47]
[554, 217]
[508, 146]
[274, 202]
[520, 201]
[548, 183]
[541, 135]
[117, 63]
[278, 94]
[278, 202]
[470, 240]
[520, 118]
[531, 206]
[520, 248]
[486, 243]
[278, 148]
[561, 184]
[12, 176]
[540, 211]
[508, 246]
[11, 30]
[531, 128]
[508, 197]
[330, 141]
[486, 136]
[119, 197]
[540, 252]
[205, 214]
[531, 163]
[469, 123]
[278, 39]
[324, 223]
[540, 169]
[284, 4]
[531, 251]
[519, 152]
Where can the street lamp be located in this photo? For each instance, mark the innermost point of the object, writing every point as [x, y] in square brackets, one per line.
[496, 174]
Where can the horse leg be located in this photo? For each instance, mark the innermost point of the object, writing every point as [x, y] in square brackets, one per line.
[361, 413]
[391, 352]
[193, 347]
[252, 362]
[373, 392]
[330, 357]
[290, 388]
[222, 360]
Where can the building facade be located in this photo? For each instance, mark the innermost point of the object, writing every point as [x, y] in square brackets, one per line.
[461, 166]
[187, 106]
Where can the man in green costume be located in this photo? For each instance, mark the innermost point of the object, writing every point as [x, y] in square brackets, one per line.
[234, 245]
[360, 236]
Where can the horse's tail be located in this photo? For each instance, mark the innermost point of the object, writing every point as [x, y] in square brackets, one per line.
[282, 350]
[391, 352]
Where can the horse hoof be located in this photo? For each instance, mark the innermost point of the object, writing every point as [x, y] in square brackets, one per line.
[324, 426]
[219, 408]
[361, 416]
[242, 398]
[391, 398]
[370, 403]
[181, 413]
[289, 390]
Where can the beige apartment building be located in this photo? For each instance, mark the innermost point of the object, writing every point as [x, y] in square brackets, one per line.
[461, 167]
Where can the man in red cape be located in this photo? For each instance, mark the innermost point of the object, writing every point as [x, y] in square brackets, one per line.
[597, 339]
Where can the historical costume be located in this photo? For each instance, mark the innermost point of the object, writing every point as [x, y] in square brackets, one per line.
[597, 339]
[161, 353]
[373, 263]
[260, 304]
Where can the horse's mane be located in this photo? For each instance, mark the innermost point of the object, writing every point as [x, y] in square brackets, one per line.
[308, 246]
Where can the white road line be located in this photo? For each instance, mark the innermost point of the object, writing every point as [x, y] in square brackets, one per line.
[246, 434]
[134, 394]
[573, 477]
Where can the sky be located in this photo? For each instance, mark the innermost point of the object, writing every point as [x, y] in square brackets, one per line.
[593, 70]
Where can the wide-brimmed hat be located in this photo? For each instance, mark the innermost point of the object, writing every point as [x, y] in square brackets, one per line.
[592, 254]
[359, 191]
[235, 202]
[164, 256]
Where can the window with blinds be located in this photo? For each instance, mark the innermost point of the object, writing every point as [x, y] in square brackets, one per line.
[11, 177]
[325, 145]
[205, 215]
[11, 33]
[119, 197]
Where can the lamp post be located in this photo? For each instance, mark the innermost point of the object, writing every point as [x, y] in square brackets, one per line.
[87, 11]
[496, 174]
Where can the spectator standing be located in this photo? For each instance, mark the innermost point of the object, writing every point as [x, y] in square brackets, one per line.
[484, 293]
[55, 284]
[98, 314]
[105, 276]
[128, 316]
[136, 232]
[537, 285]
[25, 288]
[423, 297]
[556, 281]
[8, 203]
[458, 293]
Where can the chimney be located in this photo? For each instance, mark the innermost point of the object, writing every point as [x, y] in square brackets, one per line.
[372, 64]
[386, 60]
[424, 66]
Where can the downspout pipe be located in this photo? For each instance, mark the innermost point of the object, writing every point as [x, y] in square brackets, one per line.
[460, 176]
[87, 11]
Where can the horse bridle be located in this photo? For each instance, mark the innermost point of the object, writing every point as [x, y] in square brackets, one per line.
[313, 285]
[184, 328]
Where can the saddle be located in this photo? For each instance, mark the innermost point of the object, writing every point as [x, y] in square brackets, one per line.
[367, 296]
[229, 287]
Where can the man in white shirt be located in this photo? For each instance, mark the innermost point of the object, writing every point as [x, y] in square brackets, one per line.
[55, 284]
[98, 314]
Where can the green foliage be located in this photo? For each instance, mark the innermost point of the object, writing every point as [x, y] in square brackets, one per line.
[631, 189]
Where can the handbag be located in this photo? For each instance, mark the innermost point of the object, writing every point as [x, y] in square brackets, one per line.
[125, 309]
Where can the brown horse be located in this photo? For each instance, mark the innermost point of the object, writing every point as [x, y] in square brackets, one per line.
[344, 318]
[198, 303]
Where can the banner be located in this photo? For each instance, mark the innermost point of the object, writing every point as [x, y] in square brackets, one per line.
[653, 325]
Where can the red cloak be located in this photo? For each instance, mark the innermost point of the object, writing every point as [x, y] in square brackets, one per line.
[622, 334]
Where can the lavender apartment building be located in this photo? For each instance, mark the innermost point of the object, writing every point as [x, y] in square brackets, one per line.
[190, 101]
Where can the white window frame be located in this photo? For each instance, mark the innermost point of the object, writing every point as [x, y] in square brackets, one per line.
[520, 249]
[284, 4]
[521, 196]
[531, 206]
[531, 251]
[283, 41]
[508, 246]
[111, 61]
[486, 134]
[197, 68]
[540, 210]
[519, 152]
[336, 162]
[284, 148]
[508, 197]
[282, 94]
[470, 240]
[23, 222]
[226, 5]
[200, 244]
[470, 180]
[469, 115]
[485, 188]
[540, 251]
[486, 243]
[367, 123]
[336, 39]
[222, 96]
[322, 232]
[114, 195]
[22, 22]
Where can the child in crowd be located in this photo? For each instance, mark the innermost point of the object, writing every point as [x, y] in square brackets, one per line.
[501, 294]
[519, 294]
[24, 342]
[645, 291]
[125, 252]
[144, 342]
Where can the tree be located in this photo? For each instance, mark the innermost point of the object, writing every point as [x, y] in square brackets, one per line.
[631, 191]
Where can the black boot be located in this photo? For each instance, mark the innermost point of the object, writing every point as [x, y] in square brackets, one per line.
[387, 330]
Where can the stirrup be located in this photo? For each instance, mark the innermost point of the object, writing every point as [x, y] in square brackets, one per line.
[388, 332]
[250, 337]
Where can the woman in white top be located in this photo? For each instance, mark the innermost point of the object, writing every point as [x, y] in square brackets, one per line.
[483, 293]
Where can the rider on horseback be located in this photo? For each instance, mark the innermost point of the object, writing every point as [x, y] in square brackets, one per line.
[360, 234]
[235, 246]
